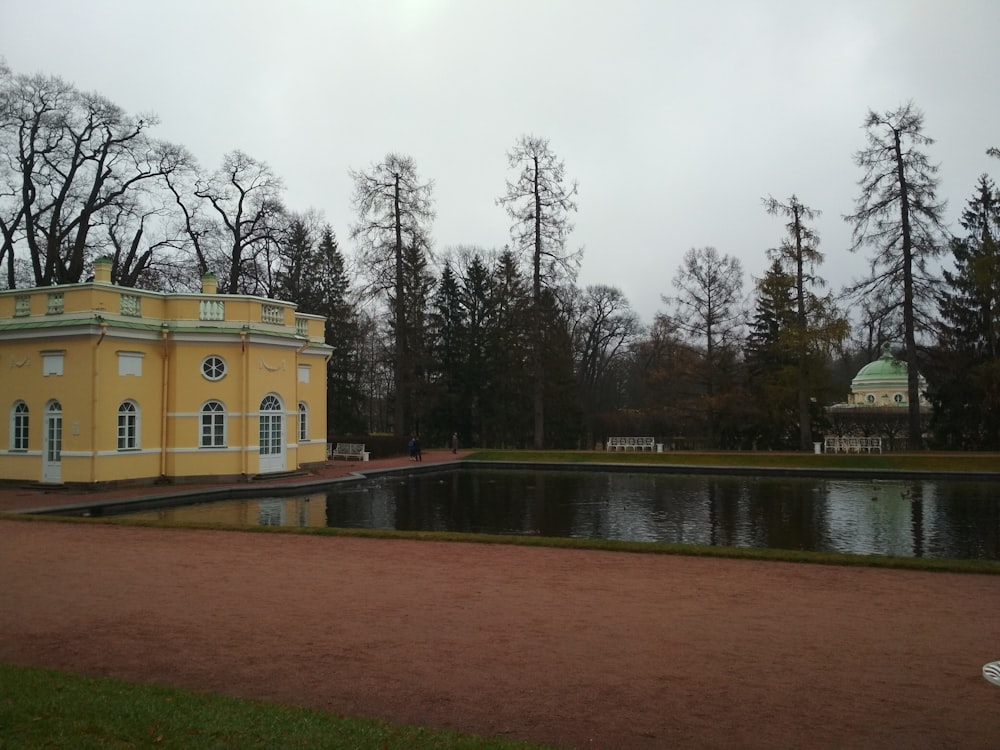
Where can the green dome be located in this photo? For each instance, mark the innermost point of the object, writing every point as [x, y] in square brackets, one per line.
[884, 368]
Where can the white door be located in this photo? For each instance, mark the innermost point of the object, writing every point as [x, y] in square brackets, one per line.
[272, 435]
[52, 444]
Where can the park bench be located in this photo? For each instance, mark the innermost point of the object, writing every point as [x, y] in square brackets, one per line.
[631, 444]
[349, 450]
[852, 444]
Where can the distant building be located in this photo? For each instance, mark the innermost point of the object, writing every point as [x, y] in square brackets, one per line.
[877, 410]
[110, 384]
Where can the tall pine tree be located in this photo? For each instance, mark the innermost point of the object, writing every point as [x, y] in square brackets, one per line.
[313, 276]
[965, 383]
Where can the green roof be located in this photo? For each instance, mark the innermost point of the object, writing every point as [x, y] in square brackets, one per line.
[885, 367]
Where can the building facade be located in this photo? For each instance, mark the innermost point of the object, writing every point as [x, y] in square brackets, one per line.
[103, 383]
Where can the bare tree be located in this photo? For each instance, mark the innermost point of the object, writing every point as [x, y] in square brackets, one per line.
[143, 243]
[244, 196]
[394, 209]
[539, 202]
[11, 205]
[899, 215]
[70, 157]
[603, 326]
[708, 312]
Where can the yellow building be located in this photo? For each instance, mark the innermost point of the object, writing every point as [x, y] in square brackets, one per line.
[107, 384]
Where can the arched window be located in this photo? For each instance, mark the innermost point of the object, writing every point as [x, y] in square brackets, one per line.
[19, 427]
[128, 426]
[52, 434]
[213, 425]
[303, 422]
[271, 434]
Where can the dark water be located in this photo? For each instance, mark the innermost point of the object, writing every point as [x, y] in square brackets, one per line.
[910, 518]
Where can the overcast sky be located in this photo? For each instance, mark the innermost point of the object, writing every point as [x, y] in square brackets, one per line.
[676, 118]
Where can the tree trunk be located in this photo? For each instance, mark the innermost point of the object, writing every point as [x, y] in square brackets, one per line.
[805, 423]
[915, 438]
[539, 369]
[399, 360]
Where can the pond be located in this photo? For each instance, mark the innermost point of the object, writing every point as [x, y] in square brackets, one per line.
[904, 517]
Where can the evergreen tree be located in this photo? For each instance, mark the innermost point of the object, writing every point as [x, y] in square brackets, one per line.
[770, 360]
[964, 376]
[449, 331]
[507, 415]
[414, 341]
[478, 299]
[561, 388]
[313, 276]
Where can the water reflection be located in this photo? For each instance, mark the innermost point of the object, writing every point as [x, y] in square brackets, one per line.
[913, 518]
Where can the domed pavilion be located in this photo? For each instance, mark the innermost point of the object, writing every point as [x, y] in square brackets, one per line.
[877, 410]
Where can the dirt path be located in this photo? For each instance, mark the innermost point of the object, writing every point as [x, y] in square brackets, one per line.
[577, 649]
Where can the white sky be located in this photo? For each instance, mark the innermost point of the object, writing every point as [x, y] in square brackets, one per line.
[675, 117]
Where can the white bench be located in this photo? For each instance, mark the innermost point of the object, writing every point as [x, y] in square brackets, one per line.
[631, 444]
[349, 450]
[852, 444]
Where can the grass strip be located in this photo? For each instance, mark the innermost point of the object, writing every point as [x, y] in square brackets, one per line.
[41, 708]
[973, 463]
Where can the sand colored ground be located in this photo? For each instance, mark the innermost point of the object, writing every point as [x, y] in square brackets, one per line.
[578, 649]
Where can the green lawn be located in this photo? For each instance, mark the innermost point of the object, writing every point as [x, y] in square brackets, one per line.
[903, 462]
[42, 709]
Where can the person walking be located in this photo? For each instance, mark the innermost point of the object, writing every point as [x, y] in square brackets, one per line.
[454, 442]
[417, 455]
[413, 448]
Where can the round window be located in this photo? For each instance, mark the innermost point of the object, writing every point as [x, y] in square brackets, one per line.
[213, 367]
[870, 398]
[898, 398]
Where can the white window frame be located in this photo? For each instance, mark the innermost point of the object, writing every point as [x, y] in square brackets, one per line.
[303, 422]
[130, 363]
[128, 426]
[53, 363]
[214, 368]
[212, 419]
[19, 427]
